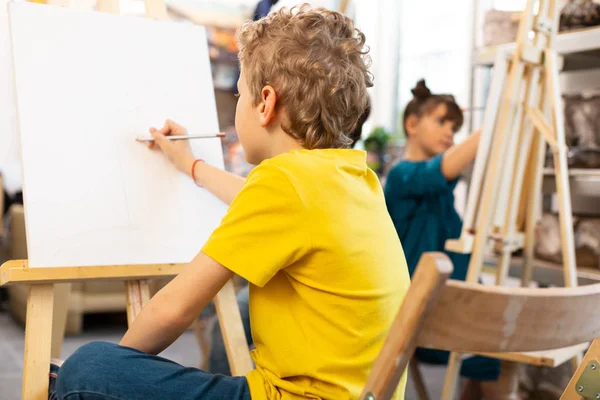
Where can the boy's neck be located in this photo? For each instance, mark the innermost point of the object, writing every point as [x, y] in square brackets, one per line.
[281, 143]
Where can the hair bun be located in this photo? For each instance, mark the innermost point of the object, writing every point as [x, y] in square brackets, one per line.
[421, 91]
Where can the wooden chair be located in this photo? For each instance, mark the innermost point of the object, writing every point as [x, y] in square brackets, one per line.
[417, 379]
[470, 318]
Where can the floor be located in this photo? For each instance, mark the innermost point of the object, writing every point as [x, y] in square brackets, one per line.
[110, 328]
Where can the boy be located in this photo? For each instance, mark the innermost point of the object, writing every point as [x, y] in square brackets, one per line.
[308, 229]
[217, 357]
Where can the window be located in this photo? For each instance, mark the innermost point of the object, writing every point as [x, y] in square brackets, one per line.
[435, 44]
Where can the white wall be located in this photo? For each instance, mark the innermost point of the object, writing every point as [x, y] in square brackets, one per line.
[435, 44]
[379, 20]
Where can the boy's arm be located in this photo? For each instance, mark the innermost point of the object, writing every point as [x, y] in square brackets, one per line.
[458, 157]
[222, 184]
[173, 309]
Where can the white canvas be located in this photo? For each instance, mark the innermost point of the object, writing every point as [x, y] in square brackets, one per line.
[10, 164]
[87, 84]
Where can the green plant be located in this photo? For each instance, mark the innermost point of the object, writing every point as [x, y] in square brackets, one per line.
[377, 140]
[376, 144]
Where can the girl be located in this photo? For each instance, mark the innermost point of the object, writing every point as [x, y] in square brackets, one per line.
[420, 200]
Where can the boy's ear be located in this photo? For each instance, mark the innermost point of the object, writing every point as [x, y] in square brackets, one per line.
[411, 124]
[267, 106]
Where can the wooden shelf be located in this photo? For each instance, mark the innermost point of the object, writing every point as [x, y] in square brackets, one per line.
[547, 273]
[548, 358]
[211, 13]
[581, 50]
[583, 182]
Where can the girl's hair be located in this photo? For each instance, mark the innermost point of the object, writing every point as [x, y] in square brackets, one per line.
[425, 102]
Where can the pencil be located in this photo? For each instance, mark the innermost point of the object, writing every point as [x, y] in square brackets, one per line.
[181, 137]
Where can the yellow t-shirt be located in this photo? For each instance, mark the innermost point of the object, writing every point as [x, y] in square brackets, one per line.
[311, 233]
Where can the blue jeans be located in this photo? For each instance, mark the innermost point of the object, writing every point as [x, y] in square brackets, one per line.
[100, 370]
[217, 360]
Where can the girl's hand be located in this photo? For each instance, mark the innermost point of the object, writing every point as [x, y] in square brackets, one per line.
[177, 151]
[459, 156]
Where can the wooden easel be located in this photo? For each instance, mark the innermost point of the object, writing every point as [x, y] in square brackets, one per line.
[523, 114]
[42, 281]
[344, 6]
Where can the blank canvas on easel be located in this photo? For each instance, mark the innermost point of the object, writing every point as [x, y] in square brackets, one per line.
[87, 84]
[10, 165]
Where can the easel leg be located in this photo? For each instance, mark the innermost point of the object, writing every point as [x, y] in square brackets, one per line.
[528, 251]
[201, 331]
[563, 190]
[138, 294]
[61, 309]
[534, 207]
[451, 380]
[593, 353]
[502, 267]
[417, 379]
[232, 330]
[38, 331]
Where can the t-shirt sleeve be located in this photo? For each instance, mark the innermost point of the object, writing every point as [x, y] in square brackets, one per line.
[266, 228]
[414, 179]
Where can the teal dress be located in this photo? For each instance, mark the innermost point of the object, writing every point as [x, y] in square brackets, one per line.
[421, 203]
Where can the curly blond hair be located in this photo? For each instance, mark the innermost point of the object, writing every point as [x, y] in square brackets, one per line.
[317, 63]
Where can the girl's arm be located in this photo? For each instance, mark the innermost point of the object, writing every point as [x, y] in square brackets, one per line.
[436, 175]
[222, 184]
[458, 157]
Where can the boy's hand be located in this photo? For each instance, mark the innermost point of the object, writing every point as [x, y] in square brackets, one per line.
[178, 151]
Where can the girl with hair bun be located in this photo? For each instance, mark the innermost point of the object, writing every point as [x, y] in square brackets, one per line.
[420, 200]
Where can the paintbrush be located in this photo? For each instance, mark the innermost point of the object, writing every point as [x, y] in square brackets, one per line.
[180, 137]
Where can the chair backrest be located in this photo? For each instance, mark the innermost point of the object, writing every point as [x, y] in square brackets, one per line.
[471, 318]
